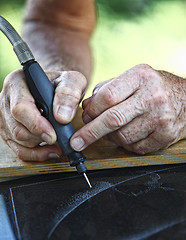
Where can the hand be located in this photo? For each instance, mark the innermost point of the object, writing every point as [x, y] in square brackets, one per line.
[21, 125]
[142, 110]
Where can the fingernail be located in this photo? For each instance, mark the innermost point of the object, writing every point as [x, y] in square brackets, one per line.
[46, 138]
[95, 90]
[77, 143]
[53, 155]
[65, 112]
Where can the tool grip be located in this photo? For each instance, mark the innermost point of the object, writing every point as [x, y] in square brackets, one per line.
[43, 92]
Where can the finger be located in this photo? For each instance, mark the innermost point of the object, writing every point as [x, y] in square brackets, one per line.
[109, 121]
[28, 115]
[147, 145]
[95, 90]
[71, 85]
[24, 110]
[24, 137]
[111, 93]
[86, 102]
[39, 153]
[99, 85]
[139, 128]
[21, 135]
[146, 134]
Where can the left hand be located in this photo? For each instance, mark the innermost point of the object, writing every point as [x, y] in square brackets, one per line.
[23, 127]
[142, 110]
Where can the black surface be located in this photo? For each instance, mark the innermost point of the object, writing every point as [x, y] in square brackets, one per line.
[129, 203]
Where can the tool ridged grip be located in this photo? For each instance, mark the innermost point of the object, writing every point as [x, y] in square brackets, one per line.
[20, 47]
[43, 92]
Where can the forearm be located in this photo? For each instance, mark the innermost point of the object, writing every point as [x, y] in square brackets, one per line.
[57, 48]
[58, 33]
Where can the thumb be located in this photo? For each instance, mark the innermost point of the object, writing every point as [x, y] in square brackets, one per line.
[69, 89]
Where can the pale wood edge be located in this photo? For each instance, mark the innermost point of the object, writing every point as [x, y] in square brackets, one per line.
[95, 164]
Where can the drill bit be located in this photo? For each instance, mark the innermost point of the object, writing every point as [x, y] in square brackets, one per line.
[84, 174]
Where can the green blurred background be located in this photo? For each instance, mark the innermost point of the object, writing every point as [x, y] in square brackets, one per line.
[128, 32]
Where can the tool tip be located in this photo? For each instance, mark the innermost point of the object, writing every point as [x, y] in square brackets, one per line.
[84, 174]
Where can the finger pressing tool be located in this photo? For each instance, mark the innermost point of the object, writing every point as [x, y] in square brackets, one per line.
[43, 92]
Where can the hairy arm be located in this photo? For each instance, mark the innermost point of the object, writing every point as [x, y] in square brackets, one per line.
[58, 33]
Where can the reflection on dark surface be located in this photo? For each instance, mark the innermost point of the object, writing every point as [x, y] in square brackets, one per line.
[6, 230]
[130, 203]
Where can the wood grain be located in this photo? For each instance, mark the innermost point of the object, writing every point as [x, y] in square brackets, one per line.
[100, 155]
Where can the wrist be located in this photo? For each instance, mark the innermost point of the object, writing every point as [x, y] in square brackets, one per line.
[58, 49]
[177, 85]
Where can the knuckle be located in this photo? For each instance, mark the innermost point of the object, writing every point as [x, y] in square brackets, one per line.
[144, 70]
[17, 73]
[17, 107]
[139, 149]
[115, 119]
[93, 134]
[67, 91]
[110, 95]
[34, 127]
[125, 137]
[65, 87]
[18, 133]
[92, 111]
[145, 73]
[12, 77]
[26, 156]
[20, 154]
[76, 77]
[143, 67]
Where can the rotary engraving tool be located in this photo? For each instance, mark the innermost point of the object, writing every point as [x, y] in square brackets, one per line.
[43, 92]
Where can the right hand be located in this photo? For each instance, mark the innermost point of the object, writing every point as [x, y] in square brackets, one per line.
[23, 127]
[142, 110]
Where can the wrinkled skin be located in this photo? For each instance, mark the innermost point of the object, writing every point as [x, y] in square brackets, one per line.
[142, 110]
[23, 128]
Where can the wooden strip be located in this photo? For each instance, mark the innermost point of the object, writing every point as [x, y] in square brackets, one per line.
[100, 155]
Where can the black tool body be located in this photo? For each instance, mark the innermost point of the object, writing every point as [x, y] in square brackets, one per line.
[43, 92]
